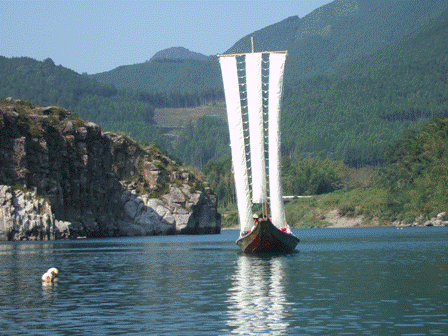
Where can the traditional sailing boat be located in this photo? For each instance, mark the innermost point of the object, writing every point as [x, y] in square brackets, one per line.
[253, 84]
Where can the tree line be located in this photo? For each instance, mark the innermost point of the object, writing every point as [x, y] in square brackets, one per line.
[412, 184]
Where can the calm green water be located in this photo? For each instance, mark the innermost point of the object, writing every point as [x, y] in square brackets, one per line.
[378, 281]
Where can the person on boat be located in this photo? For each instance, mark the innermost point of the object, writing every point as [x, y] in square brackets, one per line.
[255, 217]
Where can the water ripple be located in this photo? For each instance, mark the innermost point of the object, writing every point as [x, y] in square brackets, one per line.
[345, 282]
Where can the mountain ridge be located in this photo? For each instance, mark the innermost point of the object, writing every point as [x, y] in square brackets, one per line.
[177, 53]
[317, 44]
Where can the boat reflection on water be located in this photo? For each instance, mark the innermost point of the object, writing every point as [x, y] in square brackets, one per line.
[257, 302]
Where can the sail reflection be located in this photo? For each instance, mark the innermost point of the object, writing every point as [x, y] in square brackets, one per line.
[257, 302]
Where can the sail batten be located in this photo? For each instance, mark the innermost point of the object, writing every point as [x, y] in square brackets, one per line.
[237, 143]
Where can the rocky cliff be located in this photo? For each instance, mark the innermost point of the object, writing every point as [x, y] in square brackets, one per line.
[61, 177]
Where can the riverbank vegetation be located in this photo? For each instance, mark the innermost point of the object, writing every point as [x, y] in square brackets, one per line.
[412, 186]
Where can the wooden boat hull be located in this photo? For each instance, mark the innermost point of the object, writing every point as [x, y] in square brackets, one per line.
[267, 238]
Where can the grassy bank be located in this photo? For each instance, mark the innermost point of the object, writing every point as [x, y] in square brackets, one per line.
[356, 207]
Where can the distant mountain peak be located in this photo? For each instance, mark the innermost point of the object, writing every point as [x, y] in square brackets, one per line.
[177, 53]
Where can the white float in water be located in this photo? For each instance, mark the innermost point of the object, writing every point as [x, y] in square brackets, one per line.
[50, 274]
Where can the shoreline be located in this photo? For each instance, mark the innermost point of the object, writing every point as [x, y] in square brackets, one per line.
[337, 221]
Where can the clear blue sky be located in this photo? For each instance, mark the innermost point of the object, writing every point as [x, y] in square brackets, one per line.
[99, 35]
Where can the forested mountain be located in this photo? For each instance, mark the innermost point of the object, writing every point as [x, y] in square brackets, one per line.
[341, 31]
[44, 83]
[166, 76]
[350, 114]
[355, 113]
[319, 43]
[207, 139]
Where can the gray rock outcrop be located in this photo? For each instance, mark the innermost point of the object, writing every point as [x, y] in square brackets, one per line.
[61, 178]
[440, 220]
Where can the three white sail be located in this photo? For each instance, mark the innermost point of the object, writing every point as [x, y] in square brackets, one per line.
[251, 87]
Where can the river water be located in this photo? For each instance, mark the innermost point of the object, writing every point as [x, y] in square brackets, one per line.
[362, 281]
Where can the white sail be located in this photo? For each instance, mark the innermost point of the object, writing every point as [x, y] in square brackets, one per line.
[256, 133]
[233, 103]
[276, 70]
